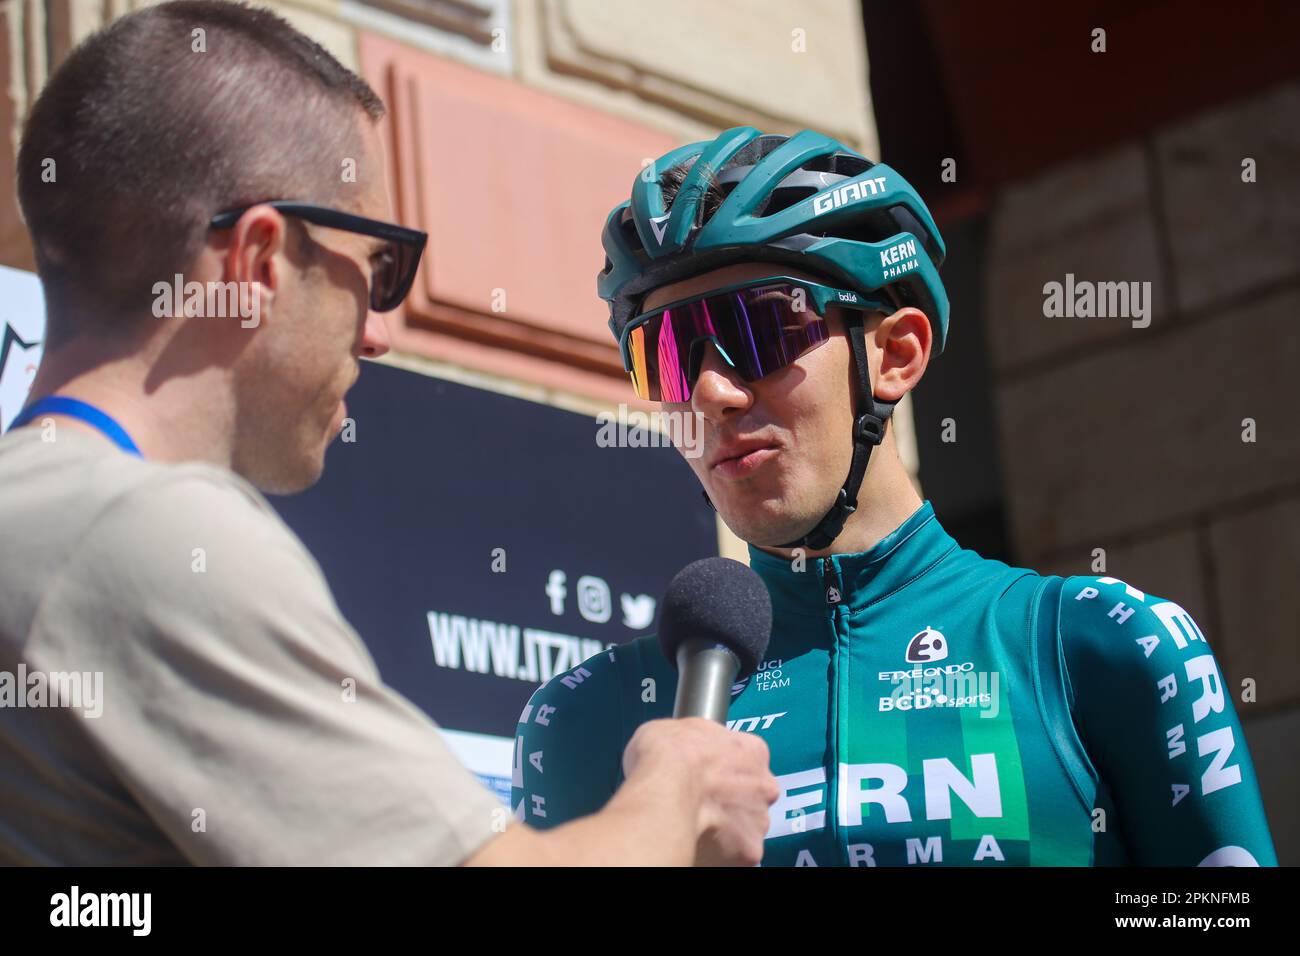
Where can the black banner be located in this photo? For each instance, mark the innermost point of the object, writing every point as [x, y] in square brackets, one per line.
[480, 543]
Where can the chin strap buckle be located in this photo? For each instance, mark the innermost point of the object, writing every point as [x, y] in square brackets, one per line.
[832, 523]
[842, 508]
[869, 428]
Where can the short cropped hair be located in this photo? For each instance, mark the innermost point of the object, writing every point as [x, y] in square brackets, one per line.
[160, 120]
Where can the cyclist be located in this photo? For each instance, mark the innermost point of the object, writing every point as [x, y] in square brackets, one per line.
[922, 704]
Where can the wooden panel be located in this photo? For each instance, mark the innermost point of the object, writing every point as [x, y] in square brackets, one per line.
[513, 186]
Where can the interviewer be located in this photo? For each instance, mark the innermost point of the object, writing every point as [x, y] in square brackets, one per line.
[243, 720]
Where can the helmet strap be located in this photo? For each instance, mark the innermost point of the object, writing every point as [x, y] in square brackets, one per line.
[868, 432]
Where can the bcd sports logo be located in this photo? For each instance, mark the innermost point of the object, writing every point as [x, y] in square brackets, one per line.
[932, 684]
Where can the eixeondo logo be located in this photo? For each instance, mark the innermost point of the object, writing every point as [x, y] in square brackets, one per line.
[928, 646]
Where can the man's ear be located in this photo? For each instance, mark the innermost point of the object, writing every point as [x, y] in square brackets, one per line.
[904, 339]
[252, 256]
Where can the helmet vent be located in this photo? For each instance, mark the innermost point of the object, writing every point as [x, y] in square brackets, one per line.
[783, 197]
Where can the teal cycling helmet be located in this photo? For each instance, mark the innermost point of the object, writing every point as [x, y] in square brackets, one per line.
[805, 201]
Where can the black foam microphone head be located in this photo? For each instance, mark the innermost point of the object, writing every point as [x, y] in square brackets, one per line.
[721, 600]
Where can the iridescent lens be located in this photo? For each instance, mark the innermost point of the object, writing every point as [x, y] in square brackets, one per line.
[760, 329]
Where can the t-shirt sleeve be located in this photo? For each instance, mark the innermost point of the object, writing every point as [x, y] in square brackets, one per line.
[1158, 722]
[239, 708]
[569, 744]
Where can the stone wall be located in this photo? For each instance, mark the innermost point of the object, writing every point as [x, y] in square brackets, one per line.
[1122, 447]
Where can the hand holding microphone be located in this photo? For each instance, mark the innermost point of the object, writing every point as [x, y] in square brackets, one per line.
[714, 625]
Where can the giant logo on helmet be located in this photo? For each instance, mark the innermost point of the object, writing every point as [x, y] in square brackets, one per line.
[850, 192]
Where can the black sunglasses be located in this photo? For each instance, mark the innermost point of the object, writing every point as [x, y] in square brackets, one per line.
[393, 267]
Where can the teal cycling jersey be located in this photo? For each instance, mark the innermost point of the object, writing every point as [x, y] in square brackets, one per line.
[927, 706]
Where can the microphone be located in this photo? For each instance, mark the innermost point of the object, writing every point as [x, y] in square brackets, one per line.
[714, 624]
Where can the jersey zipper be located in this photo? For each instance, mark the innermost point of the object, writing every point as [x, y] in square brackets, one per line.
[833, 591]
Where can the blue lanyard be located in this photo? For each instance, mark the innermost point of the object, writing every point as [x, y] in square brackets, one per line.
[84, 411]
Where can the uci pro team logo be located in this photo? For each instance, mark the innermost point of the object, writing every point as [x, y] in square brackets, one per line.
[928, 646]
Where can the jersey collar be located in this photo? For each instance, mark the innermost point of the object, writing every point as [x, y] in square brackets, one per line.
[897, 559]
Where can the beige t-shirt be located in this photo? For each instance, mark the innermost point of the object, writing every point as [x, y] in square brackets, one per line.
[241, 719]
